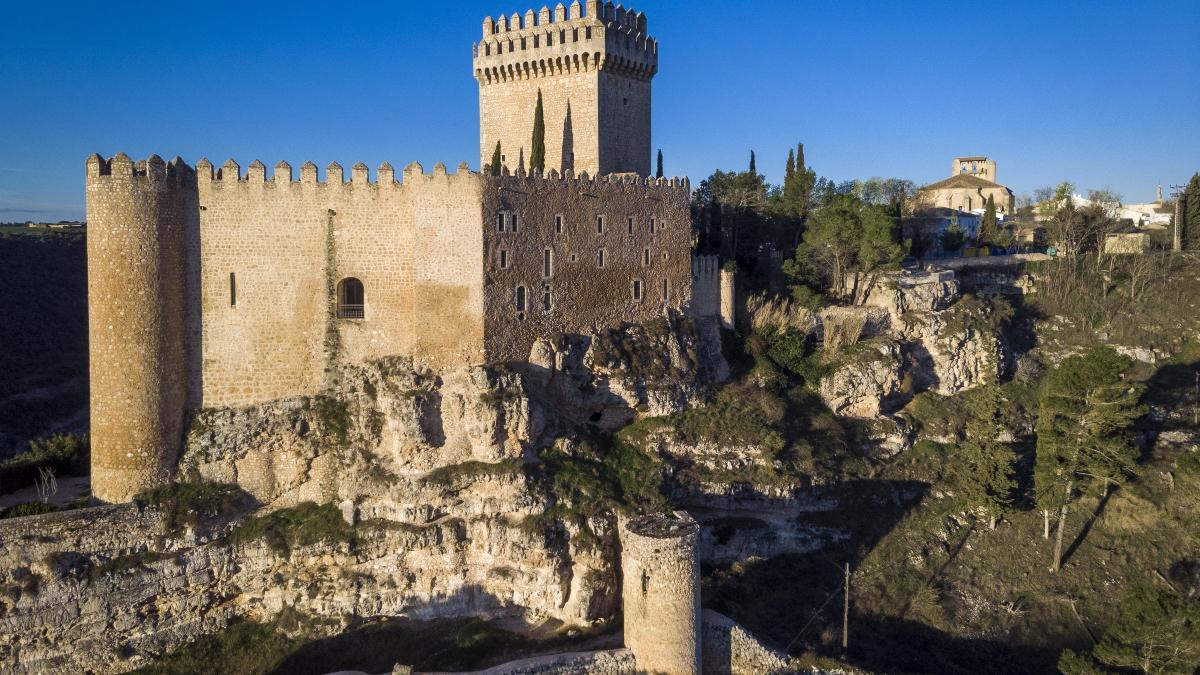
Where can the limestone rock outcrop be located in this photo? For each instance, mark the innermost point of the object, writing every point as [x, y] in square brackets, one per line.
[861, 384]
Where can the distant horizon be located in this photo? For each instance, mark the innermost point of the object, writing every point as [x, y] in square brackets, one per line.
[871, 90]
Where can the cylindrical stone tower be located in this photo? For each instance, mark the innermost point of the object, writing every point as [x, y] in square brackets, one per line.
[136, 316]
[728, 298]
[660, 593]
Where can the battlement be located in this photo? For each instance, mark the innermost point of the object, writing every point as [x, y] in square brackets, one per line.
[230, 173]
[546, 43]
[152, 170]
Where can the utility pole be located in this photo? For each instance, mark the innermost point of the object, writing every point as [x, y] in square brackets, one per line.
[1178, 194]
[846, 611]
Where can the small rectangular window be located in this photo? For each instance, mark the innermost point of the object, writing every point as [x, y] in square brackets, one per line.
[637, 289]
[599, 224]
[547, 263]
[520, 298]
[629, 224]
[232, 290]
[646, 257]
[652, 223]
[558, 224]
[546, 305]
[513, 222]
[600, 257]
[500, 222]
[503, 260]
[666, 296]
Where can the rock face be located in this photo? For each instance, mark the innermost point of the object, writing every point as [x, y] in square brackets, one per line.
[862, 384]
[919, 337]
[432, 471]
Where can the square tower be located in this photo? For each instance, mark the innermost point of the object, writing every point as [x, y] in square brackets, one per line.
[979, 166]
[593, 70]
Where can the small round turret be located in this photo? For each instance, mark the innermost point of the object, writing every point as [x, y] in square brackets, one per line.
[661, 593]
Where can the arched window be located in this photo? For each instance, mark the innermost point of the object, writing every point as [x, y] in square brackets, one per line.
[520, 298]
[350, 299]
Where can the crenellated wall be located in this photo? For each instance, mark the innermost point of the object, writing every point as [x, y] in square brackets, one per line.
[593, 70]
[219, 287]
[139, 219]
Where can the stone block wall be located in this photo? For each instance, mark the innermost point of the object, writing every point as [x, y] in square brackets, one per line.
[560, 217]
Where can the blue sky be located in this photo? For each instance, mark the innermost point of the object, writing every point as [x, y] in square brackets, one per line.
[1103, 93]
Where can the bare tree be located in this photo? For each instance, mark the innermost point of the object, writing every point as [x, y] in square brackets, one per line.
[47, 484]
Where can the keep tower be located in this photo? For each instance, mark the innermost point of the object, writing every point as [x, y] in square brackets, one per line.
[593, 64]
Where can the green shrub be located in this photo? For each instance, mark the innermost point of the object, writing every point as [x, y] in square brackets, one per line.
[244, 647]
[302, 525]
[27, 509]
[453, 474]
[64, 454]
[334, 416]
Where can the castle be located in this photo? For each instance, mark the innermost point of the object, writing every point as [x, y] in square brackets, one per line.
[223, 286]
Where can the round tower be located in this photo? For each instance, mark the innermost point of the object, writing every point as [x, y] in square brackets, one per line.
[136, 316]
[660, 593]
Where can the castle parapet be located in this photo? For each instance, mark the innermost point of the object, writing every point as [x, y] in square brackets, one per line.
[546, 44]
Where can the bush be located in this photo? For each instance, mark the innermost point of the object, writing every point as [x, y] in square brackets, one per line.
[453, 474]
[244, 647]
[27, 509]
[64, 454]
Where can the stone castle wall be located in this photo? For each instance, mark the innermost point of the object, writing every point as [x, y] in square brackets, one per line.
[660, 593]
[594, 73]
[136, 319]
[584, 296]
[272, 331]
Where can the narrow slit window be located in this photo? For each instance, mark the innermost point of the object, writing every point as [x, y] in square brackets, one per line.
[232, 290]
[629, 224]
[637, 289]
[547, 263]
[558, 224]
[599, 224]
[512, 223]
[499, 222]
[503, 260]
[646, 257]
[666, 295]
[600, 257]
[546, 304]
[520, 298]
[652, 224]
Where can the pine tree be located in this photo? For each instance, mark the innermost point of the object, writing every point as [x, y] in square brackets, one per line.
[753, 170]
[984, 464]
[1086, 411]
[494, 167]
[658, 173]
[790, 170]
[987, 228]
[537, 155]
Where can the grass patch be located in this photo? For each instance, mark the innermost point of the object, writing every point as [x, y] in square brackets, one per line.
[27, 509]
[299, 526]
[126, 563]
[186, 504]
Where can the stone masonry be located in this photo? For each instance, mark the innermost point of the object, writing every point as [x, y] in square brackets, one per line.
[593, 70]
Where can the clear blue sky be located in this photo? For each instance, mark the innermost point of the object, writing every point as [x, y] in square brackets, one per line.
[1103, 93]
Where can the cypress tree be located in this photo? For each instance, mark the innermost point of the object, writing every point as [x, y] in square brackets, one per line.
[537, 156]
[658, 173]
[987, 228]
[494, 167]
[790, 170]
[800, 168]
[753, 170]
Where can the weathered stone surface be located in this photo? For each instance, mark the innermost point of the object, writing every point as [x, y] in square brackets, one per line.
[862, 383]
[729, 649]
